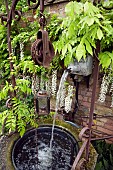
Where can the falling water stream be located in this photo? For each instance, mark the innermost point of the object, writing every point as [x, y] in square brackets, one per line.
[59, 93]
[47, 151]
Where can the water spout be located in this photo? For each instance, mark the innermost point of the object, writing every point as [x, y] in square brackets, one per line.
[73, 69]
[83, 67]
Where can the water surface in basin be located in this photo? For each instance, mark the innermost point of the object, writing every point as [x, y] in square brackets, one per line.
[32, 151]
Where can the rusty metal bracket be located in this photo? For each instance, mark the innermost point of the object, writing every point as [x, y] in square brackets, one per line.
[84, 133]
[93, 97]
[13, 14]
[42, 20]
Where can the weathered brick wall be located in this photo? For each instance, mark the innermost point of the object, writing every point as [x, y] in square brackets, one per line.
[57, 8]
[103, 120]
[85, 98]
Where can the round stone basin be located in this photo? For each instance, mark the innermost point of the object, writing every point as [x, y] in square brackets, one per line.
[32, 151]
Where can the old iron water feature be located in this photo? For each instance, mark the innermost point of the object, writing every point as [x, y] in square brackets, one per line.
[44, 148]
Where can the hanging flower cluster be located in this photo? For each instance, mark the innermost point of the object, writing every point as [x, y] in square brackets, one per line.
[62, 97]
[68, 99]
[54, 83]
[35, 84]
[104, 88]
[13, 51]
[48, 86]
[111, 91]
[42, 82]
[112, 100]
[21, 50]
[106, 81]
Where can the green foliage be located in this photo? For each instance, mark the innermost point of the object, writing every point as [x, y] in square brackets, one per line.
[21, 113]
[83, 26]
[4, 63]
[105, 158]
[54, 27]
[106, 59]
[18, 117]
[108, 4]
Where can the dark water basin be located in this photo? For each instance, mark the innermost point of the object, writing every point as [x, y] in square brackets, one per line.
[32, 151]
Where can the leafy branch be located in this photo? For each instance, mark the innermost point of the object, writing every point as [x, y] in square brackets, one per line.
[82, 27]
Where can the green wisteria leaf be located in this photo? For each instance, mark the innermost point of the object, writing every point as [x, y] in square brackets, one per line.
[99, 34]
[80, 51]
[88, 47]
[105, 60]
[64, 50]
[89, 21]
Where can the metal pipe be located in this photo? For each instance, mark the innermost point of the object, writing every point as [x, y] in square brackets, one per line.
[41, 6]
[96, 116]
[95, 80]
[72, 123]
[101, 138]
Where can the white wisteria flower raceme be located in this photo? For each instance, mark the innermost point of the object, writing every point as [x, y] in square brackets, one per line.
[54, 83]
[104, 88]
[68, 99]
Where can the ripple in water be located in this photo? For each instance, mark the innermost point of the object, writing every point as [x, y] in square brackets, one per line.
[58, 158]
